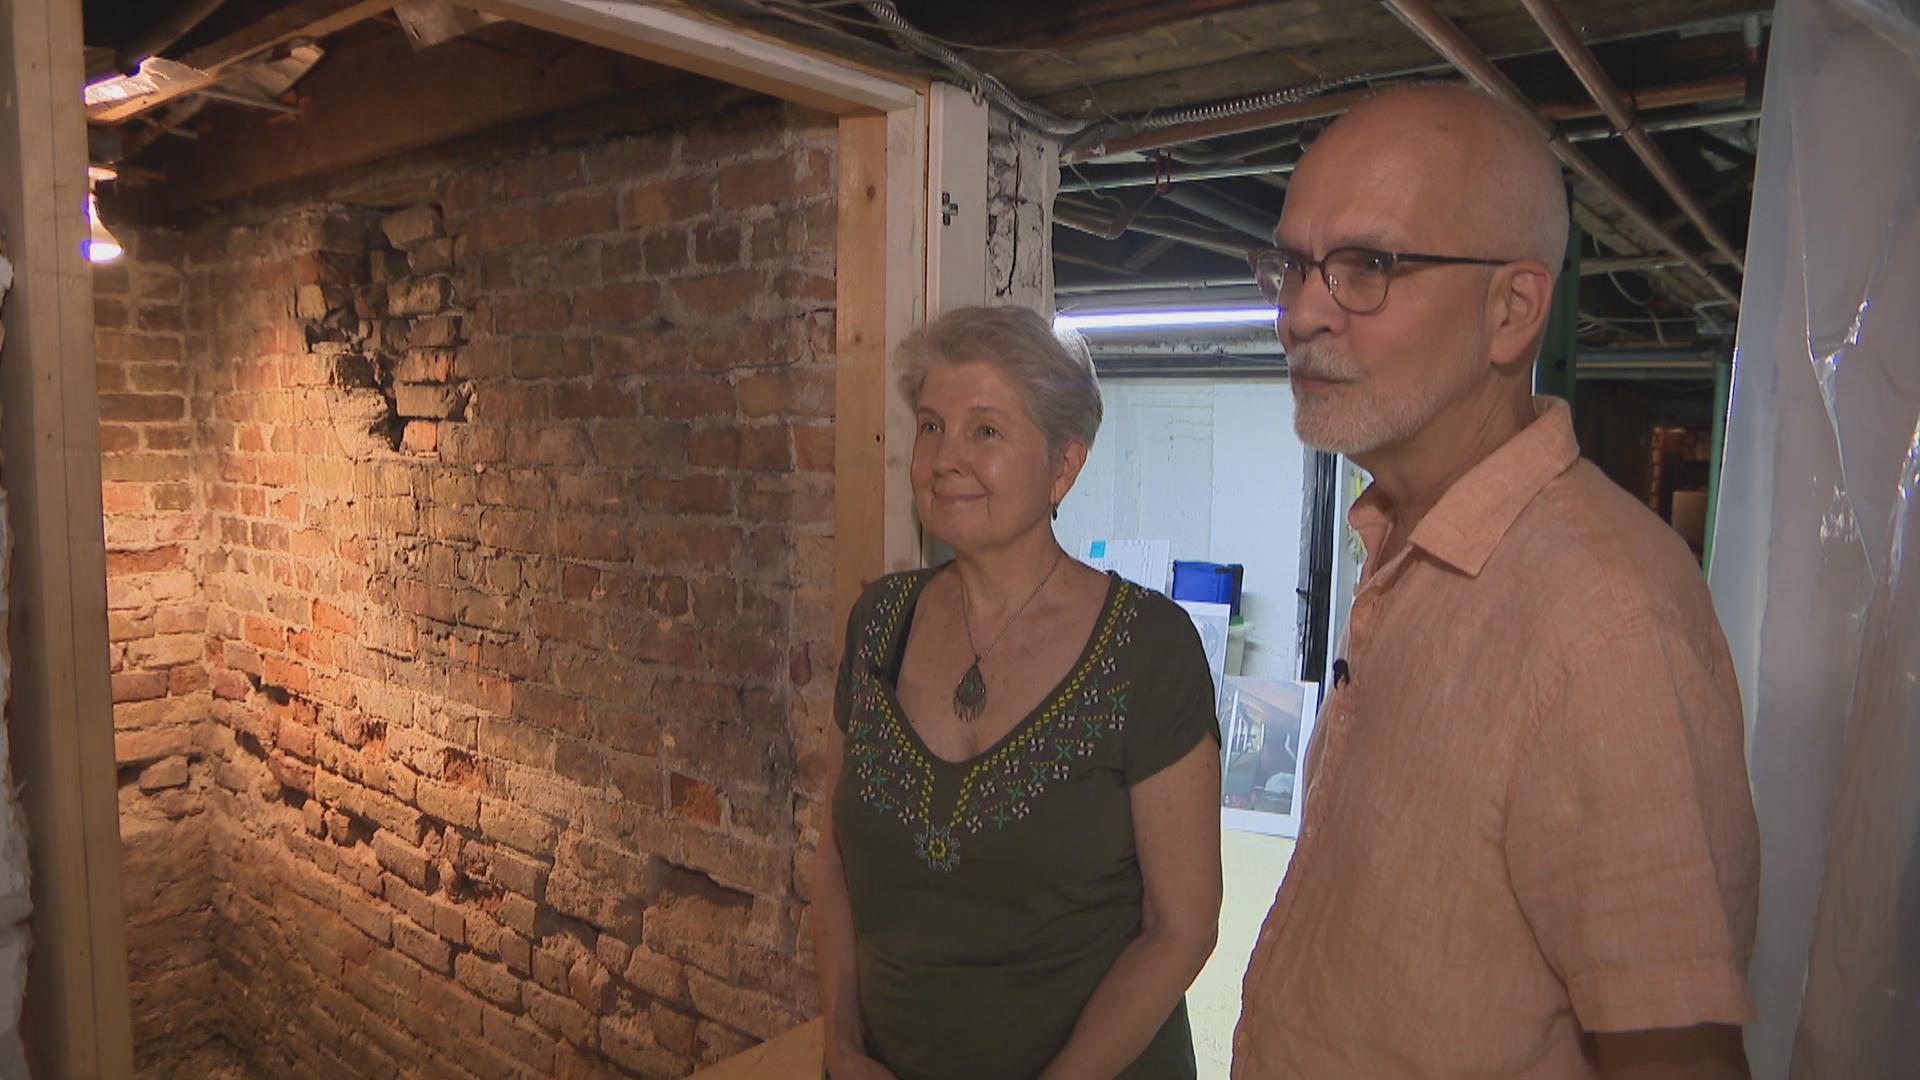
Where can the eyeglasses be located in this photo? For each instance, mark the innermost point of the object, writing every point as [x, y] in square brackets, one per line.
[1356, 277]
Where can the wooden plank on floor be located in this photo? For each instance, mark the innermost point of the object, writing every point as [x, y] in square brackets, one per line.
[797, 1055]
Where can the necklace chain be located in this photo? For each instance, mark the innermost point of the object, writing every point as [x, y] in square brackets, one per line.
[970, 696]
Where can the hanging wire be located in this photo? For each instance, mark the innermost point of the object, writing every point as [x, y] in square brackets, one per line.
[1636, 301]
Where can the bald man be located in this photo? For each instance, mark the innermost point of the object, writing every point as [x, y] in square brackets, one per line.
[1528, 847]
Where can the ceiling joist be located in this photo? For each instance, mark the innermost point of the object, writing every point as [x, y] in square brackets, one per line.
[306, 20]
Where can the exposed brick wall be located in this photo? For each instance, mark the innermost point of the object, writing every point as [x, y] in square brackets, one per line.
[516, 563]
[157, 621]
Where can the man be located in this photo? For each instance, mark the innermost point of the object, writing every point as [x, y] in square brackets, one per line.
[1528, 847]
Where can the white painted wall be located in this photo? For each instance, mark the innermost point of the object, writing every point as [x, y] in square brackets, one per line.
[1215, 468]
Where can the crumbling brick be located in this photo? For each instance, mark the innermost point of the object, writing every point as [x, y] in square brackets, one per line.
[461, 560]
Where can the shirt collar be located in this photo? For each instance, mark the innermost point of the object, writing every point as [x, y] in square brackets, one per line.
[1474, 515]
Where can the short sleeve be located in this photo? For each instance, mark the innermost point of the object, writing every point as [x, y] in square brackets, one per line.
[1630, 837]
[1173, 706]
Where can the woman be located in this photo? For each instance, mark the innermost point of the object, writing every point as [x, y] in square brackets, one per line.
[1019, 869]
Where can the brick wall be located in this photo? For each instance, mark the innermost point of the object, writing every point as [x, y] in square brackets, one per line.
[157, 621]
[515, 571]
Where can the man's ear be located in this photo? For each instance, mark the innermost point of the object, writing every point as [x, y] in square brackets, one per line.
[1522, 297]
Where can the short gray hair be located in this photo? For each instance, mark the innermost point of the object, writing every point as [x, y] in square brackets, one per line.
[1053, 373]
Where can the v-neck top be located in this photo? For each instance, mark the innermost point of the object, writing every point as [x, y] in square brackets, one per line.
[991, 895]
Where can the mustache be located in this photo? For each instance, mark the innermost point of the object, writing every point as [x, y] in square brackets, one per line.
[1321, 362]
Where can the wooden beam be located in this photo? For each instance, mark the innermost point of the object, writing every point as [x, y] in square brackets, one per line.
[308, 20]
[881, 296]
[718, 51]
[1610, 229]
[60, 715]
[375, 98]
[1692, 92]
[1022, 24]
[1232, 52]
[860, 362]
[907, 306]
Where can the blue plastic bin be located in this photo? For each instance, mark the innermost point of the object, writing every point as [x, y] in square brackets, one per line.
[1208, 582]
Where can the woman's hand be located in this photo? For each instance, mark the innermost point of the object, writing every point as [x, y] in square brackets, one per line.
[846, 1057]
[1176, 832]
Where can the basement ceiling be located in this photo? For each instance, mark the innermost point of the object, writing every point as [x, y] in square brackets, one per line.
[1160, 214]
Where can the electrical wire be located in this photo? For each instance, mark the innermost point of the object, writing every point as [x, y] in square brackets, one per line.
[1240, 106]
[1071, 65]
[907, 36]
[911, 37]
[1627, 296]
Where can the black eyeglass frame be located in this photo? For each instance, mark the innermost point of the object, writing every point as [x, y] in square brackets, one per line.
[1393, 258]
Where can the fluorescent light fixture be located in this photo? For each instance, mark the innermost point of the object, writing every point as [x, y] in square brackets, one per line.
[1165, 319]
[99, 246]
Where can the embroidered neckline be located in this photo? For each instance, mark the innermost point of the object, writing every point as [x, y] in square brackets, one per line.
[997, 787]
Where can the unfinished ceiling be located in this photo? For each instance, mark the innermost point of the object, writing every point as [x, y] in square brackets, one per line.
[1172, 172]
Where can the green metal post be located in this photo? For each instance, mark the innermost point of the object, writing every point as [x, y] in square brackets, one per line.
[1554, 373]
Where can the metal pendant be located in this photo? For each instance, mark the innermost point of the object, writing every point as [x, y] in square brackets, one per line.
[970, 697]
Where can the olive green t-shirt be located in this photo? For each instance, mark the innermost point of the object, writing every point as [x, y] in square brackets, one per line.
[991, 895]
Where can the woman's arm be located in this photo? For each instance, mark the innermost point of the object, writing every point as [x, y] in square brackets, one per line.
[833, 942]
[1176, 831]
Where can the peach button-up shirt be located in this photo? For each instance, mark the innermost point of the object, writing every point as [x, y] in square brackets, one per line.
[1527, 815]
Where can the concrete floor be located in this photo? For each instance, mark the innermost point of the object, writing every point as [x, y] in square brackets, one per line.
[1253, 865]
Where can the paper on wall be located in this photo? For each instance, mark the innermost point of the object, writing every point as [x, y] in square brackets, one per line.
[1146, 563]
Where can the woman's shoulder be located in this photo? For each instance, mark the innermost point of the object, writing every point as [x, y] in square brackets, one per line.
[899, 584]
[884, 597]
[1155, 615]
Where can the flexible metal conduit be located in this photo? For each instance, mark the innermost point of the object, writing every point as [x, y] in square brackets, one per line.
[1606, 95]
[1440, 32]
[910, 37]
[1272, 99]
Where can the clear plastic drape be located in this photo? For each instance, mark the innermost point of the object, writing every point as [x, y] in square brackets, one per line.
[1817, 515]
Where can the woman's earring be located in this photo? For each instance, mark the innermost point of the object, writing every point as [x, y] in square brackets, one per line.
[1056, 511]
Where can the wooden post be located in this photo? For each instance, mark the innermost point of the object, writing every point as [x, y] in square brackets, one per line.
[860, 362]
[61, 712]
[881, 297]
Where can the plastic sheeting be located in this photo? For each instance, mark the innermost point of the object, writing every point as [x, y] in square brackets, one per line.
[1819, 512]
